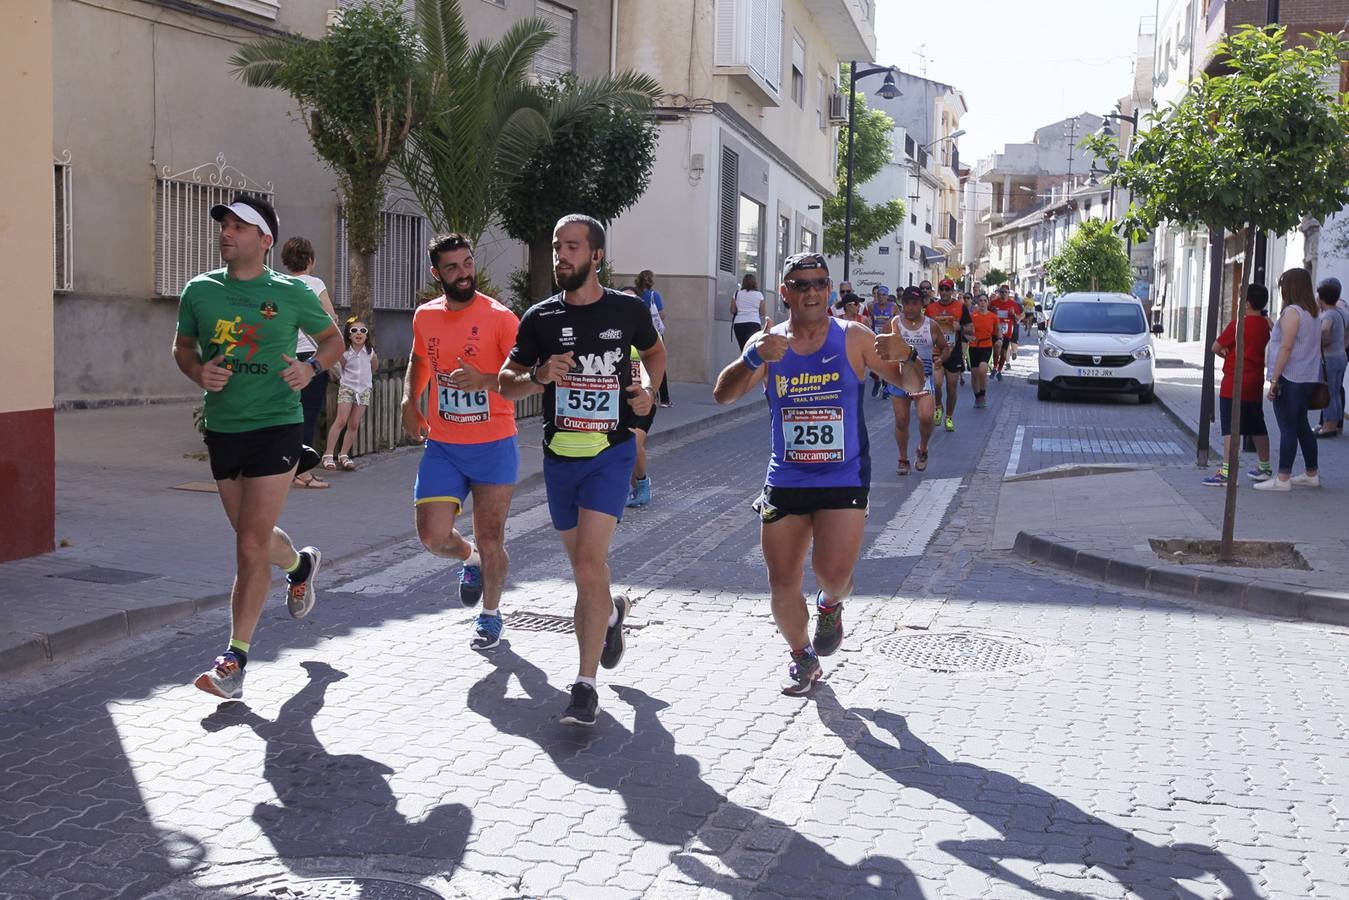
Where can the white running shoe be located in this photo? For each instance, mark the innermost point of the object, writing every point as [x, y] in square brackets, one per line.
[1273, 484]
[1307, 480]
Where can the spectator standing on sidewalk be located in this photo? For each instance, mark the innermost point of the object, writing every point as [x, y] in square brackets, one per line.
[1255, 340]
[1294, 370]
[298, 257]
[747, 310]
[1334, 344]
[646, 283]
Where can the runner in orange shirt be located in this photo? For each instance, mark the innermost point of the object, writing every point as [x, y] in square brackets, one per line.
[953, 318]
[1008, 310]
[459, 341]
[987, 337]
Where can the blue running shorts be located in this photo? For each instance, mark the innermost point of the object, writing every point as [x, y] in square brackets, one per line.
[447, 471]
[600, 483]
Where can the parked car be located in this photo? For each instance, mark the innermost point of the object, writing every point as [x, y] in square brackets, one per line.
[1096, 342]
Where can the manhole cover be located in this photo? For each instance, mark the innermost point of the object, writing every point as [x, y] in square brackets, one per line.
[956, 652]
[103, 575]
[347, 889]
[528, 621]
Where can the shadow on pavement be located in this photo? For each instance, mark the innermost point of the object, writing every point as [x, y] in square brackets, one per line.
[336, 804]
[1035, 825]
[668, 802]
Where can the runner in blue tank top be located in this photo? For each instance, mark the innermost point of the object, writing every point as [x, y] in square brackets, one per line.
[819, 473]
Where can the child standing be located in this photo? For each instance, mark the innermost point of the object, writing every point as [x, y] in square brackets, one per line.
[353, 393]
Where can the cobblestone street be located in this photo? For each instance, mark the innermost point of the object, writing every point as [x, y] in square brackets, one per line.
[989, 729]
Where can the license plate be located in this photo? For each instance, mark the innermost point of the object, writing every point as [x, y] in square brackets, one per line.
[1094, 373]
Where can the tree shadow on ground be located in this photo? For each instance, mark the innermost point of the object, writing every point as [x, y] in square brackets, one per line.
[335, 804]
[1034, 824]
[667, 801]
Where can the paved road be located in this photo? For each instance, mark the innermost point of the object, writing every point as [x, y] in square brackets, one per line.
[990, 730]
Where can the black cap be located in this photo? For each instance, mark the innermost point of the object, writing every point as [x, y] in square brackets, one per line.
[911, 293]
[807, 260]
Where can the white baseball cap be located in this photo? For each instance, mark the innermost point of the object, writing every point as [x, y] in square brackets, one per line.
[243, 211]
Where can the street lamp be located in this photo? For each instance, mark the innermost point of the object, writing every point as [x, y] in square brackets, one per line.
[888, 91]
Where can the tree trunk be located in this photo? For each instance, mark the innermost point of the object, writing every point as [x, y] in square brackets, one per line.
[1216, 237]
[541, 284]
[1234, 441]
[361, 269]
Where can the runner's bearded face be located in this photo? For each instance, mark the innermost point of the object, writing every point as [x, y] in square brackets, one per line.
[241, 242]
[456, 274]
[573, 258]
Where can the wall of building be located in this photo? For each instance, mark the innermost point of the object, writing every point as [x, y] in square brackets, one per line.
[27, 426]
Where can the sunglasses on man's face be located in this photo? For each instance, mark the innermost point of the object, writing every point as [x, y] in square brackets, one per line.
[802, 285]
[359, 329]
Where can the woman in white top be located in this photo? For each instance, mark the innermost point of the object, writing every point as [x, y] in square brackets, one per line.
[1294, 368]
[747, 310]
[298, 257]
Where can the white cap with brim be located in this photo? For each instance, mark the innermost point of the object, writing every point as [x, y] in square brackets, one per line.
[245, 212]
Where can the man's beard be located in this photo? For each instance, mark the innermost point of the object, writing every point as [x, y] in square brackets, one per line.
[576, 280]
[461, 295]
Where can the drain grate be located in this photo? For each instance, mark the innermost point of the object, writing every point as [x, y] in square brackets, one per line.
[529, 621]
[347, 889]
[956, 652]
[104, 575]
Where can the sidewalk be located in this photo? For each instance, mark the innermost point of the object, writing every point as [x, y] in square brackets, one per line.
[142, 539]
[1098, 525]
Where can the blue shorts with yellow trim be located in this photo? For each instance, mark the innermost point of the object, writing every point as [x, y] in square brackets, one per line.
[448, 471]
[600, 483]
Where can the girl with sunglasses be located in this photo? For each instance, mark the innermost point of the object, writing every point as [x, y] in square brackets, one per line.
[358, 367]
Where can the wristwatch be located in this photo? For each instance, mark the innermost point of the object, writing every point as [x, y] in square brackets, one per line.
[534, 375]
[317, 366]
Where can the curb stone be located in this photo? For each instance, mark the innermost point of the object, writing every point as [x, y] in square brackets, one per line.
[1310, 605]
[38, 649]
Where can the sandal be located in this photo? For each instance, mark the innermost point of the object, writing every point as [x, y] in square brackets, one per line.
[922, 460]
[328, 462]
[311, 483]
[903, 467]
[345, 462]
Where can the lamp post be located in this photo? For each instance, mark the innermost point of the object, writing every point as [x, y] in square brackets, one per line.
[1108, 130]
[889, 91]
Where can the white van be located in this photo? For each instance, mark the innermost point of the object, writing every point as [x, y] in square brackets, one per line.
[1096, 342]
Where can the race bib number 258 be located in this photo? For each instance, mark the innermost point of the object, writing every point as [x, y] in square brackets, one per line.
[813, 434]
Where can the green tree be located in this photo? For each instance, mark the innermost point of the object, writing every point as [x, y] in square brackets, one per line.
[598, 163]
[995, 277]
[360, 97]
[871, 151]
[486, 119]
[1093, 259]
[1253, 149]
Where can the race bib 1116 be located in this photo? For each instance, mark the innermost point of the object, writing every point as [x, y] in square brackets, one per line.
[460, 407]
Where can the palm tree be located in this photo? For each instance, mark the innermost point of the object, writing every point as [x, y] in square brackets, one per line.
[360, 96]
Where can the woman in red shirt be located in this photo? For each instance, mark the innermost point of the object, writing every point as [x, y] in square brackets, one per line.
[1256, 338]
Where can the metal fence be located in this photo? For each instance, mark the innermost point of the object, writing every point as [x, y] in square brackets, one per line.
[382, 428]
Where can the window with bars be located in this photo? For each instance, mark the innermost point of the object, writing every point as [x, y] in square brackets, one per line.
[558, 56]
[398, 273]
[185, 236]
[728, 204]
[61, 251]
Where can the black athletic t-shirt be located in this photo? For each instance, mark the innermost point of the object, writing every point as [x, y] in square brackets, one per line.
[586, 411]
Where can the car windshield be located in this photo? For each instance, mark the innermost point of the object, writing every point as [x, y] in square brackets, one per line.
[1098, 318]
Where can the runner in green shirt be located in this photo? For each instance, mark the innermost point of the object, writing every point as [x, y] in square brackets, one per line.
[237, 328]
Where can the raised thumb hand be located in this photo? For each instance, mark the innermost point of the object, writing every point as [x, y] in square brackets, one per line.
[768, 323]
[288, 360]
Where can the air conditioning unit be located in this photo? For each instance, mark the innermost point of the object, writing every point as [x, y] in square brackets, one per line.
[838, 109]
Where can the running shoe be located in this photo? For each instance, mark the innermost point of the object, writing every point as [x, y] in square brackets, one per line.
[937, 417]
[921, 464]
[585, 701]
[828, 627]
[903, 467]
[1307, 480]
[613, 637]
[802, 673]
[950, 424]
[998, 374]
[1274, 484]
[1217, 479]
[300, 594]
[1013, 354]
[1258, 474]
[224, 679]
[470, 584]
[980, 403]
[486, 632]
[640, 495]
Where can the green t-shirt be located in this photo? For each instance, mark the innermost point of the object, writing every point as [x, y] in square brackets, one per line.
[250, 323]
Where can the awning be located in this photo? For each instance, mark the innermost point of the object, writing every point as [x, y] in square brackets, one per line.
[933, 257]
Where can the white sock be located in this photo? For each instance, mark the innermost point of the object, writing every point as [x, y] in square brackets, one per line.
[613, 615]
[473, 558]
[581, 679]
[491, 612]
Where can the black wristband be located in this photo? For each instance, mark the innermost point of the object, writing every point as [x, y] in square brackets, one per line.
[533, 375]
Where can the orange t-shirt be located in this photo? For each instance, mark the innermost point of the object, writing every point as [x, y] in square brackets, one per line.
[985, 326]
[482, 334]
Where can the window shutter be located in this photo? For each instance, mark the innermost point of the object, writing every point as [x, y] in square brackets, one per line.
[725, 51]
[772, 72]
[758, 36]
[557, 57]
[730, 194]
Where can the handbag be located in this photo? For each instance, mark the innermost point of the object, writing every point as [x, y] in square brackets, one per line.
[1319, 396]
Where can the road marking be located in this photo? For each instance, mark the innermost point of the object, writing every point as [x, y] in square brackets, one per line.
[917, 521]
[1096, 446]
[1014, 462]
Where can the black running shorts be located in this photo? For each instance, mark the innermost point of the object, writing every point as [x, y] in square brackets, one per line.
[254, 454]
[777, 502]
[979, 356]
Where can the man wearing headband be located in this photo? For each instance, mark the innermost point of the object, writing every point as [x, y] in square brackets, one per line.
[819, 473]
[237, 330]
